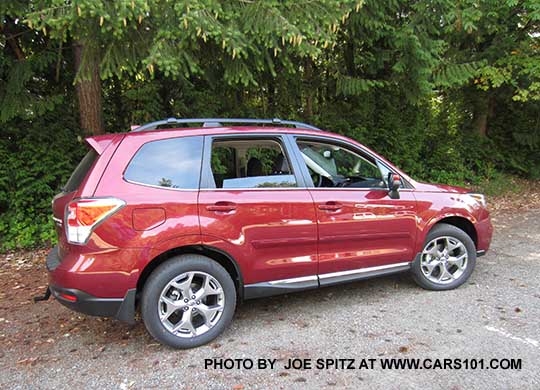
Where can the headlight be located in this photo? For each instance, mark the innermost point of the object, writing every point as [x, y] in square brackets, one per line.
[480, 198]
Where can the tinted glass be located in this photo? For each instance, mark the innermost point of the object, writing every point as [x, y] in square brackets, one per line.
[333, 166]
[170, 163]
[81, 171]
[250, 164]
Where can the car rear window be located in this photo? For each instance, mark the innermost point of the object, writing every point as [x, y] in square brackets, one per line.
[81, 171]
[169, 163]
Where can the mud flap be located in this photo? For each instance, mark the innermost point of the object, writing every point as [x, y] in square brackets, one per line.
[44, 297]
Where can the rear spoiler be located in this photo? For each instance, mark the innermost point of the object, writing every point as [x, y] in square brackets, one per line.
[100, 142]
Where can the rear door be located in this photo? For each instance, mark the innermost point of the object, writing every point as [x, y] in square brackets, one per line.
[360, 227]
[253, 204]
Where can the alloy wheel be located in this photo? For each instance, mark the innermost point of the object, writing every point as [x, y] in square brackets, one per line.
[444, 260]
[191, 304]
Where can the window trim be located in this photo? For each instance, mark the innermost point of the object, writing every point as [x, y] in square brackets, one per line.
[161, 187]
[351, 147]
[207, 182]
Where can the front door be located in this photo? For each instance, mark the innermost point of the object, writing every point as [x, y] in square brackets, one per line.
[253, 205]
[360, 226]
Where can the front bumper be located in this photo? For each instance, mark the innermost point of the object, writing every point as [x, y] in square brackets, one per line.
[484, 231]
[122, 309]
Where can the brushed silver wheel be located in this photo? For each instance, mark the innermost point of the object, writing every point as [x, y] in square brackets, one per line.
[191, 304]
[444, 260]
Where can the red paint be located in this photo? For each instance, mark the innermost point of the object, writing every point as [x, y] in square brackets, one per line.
[369, 228]
[148, 218]
[272, 234]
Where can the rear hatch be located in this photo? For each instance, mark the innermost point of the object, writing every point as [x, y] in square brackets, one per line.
[75, 185]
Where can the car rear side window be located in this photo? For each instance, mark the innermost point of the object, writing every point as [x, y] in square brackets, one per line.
[169, 163]
[81, 171]
[250, 163]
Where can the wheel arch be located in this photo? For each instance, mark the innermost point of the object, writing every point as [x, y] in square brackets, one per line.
[218, 255]
[460, 222]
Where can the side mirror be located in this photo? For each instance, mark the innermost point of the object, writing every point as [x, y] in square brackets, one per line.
[394, 182]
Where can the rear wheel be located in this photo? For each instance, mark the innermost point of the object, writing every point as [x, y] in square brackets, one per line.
[188, 301]
[447, 260]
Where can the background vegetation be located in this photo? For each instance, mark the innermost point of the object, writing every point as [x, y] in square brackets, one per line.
[448, 90]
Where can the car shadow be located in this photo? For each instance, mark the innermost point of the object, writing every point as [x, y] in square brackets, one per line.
[346, 293]
[110, 334]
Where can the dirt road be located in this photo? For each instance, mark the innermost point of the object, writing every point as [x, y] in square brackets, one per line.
[495, 315]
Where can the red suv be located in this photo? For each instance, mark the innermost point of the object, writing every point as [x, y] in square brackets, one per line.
[183, 223]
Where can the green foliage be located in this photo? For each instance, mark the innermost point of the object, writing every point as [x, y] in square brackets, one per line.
[38, 157]
[449, 75]
[177, 36]
[504, 37]
[350, 86]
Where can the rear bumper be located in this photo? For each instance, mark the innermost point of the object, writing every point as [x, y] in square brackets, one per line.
[88, 304]
[81, 301]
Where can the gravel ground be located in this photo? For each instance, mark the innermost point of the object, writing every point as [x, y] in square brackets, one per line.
[495, 315]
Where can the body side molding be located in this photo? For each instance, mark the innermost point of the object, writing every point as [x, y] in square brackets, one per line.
[285, 286]
[362, 273]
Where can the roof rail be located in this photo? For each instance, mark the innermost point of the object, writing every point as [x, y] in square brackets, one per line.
[217, 122]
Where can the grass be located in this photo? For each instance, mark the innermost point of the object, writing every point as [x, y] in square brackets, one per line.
[510, 193]
[501, 184]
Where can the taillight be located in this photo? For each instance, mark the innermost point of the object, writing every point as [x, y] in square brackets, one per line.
[84, 215]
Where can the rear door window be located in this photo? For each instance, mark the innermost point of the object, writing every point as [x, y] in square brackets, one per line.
[254, 163]
[170, 163]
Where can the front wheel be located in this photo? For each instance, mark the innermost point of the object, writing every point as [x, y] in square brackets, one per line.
[447, 260]
[188, 301]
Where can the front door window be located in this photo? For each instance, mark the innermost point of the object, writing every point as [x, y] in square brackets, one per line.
[333, 166]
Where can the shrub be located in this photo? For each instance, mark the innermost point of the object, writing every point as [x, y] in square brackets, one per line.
[36, 161]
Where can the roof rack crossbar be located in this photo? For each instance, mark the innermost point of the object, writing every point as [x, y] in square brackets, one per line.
[215, 122]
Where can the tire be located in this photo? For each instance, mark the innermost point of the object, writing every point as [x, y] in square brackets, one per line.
[165, 295]
[428, 267]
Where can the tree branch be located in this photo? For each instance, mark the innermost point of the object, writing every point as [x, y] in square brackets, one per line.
[13, 44]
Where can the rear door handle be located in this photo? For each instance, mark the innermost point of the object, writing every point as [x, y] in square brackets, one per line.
[221, 207]
[330, 206]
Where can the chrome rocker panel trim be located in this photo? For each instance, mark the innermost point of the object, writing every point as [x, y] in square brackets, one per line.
[285, 286]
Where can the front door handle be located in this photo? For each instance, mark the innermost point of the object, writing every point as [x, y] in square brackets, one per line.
[222, 207]
[330, 206]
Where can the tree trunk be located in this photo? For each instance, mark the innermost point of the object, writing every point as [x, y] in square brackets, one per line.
[348, 55]
[309, 91]
[88, 86]
[480, 123]
[481, 111]
[271, 96]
